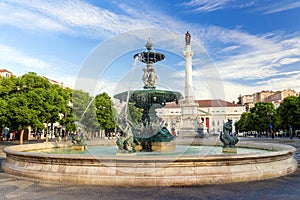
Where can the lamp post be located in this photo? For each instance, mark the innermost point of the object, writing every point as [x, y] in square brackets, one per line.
[291, 132]
[270, 114]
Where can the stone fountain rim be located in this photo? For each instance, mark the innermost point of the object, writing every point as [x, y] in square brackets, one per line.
[275, 150]
[151, 170]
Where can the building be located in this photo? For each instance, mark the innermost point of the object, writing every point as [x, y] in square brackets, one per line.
[55, 82]
[267, 96]
[278, 96]
[212, 114]
[5, 73]
[262, 96]
[247, 101]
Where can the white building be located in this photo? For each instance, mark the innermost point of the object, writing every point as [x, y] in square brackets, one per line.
[212, 114]
[5, 73]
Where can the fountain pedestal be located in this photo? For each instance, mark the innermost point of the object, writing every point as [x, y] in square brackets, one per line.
[229, 150]
[79, 147]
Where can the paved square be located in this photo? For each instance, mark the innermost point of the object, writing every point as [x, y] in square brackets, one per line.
[287, 187]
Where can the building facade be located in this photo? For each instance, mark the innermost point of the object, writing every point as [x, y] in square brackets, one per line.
[5, 73]
[274, 97]
[212, 114]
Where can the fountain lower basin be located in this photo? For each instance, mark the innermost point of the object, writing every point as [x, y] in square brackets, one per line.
[274, 160]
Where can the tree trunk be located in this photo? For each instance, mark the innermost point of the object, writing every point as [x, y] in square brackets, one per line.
[47, 131]
[21, 136]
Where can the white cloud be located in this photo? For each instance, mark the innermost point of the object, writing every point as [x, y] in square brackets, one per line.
[233, 90]
[12, 55]
[19, 63]
[286, 61]
[230, 49]
[281, 6]
[71, 17]
[257, 56]
[25, 19]
[264, 6]
[207, 5]
[292, 82]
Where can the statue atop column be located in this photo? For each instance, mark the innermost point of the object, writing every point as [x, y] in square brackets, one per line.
[187, 38]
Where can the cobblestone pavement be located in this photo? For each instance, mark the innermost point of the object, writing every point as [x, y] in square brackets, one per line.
[283, 188]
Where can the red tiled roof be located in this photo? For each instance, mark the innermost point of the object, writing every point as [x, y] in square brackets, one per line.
[5, 70]
[206, 103]
[172, 105]
[53, 81]
[216, 103]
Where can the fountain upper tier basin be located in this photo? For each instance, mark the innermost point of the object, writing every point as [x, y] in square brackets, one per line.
[149, 57]
[143, 98]
[159, 170]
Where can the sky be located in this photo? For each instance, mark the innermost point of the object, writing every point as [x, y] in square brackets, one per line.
[240, 46]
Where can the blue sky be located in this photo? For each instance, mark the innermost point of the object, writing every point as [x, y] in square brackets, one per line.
[251, 45]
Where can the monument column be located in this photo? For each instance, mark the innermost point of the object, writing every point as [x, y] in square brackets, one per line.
[189, 108]
[188, 54]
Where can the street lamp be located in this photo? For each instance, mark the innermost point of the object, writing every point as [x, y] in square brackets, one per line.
[270, 114]
[291, 132]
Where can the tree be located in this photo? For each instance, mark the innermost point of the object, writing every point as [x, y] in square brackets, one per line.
[264, 115]
[261, 118]
[26, 102]
[55, 105]
[84, 110]
[105, 111]
[135, 113]
[289, 113]
[7, 86]
[239, 99]
[68, 118]
[32, 100]
[22, 113]
[243, 124]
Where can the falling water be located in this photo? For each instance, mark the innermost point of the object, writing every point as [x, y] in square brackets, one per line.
[87, 108]
[97, 91]
[136, 59]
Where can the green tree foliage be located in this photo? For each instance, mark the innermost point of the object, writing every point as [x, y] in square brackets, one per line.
[264, 114]
[31, 100]
[135, 113]
[7, 87]
[259, 118]
[239, 99]
[68, 119]
[289, 113]
[84, 110]
[105, 111]
[26, 102]
[243, 125]
[55, 106]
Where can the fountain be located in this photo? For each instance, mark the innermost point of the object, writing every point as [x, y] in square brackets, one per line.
[151, 134]
[148, 164]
